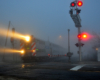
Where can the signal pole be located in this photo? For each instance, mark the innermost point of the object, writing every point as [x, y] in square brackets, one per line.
[79, 42]
[77, 21]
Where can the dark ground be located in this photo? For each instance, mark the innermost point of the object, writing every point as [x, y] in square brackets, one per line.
[56, 69]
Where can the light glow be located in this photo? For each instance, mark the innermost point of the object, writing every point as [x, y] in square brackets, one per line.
[23, 65]
[16, 35]
[60, 36]
[27, 38]
[8, 50]
[79, 35]
[79, 3]
[22, 51]
[96, 48]
[34, 51]
[84, 36]
[72, 4]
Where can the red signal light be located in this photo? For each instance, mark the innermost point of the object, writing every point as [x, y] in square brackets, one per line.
[84, 36]
[79, 3]
[79, 36]
[72, 4]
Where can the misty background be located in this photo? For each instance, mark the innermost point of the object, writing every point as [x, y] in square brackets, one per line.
[51, 18]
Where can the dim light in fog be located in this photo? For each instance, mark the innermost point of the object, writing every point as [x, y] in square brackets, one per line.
[96, 48]
[23, 65]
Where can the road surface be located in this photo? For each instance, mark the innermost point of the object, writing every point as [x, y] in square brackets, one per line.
[54, 70]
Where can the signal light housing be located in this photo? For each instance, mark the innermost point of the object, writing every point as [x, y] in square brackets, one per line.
[72, 4]
[79, 3]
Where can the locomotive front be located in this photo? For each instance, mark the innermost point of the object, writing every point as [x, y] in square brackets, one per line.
[28, 47]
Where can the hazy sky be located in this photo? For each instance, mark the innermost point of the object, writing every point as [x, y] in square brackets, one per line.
[44, 18]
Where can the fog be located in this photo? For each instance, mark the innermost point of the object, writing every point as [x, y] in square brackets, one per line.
[49, 20]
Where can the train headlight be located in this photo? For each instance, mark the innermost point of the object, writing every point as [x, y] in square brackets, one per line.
[22, 51]
[27, 38]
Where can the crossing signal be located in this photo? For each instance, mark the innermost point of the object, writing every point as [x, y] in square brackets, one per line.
[83, 36]
[72, 4]
[77, 45]
[81, 44]
[79, 36]
[79, 3]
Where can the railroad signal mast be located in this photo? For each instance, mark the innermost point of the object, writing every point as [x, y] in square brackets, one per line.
[74, 13]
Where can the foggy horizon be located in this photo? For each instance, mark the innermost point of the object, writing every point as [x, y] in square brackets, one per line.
[51, 19]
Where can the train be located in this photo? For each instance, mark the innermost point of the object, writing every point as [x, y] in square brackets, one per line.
[36, 49]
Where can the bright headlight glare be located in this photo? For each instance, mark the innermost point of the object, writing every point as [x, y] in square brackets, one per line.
[22, 51]
[27, 38]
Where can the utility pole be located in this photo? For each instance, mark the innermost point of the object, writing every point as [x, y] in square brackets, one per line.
[68, 44]
[6, 42]
[69, 54]
[13, 31]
